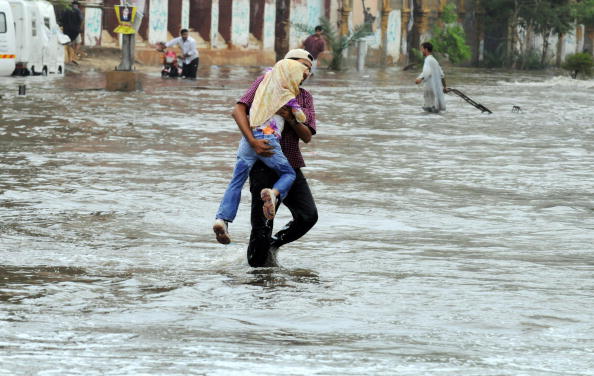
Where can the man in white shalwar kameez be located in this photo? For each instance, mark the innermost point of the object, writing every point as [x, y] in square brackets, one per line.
[434, 80]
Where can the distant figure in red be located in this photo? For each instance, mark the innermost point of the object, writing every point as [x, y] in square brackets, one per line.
[315, 44]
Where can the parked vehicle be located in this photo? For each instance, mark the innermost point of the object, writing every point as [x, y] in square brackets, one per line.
[37, 38]
[7, 40]
[53, 53]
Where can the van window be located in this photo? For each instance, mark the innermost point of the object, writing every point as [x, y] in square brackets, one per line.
[2, 22]
[34, 29]
[46, 21]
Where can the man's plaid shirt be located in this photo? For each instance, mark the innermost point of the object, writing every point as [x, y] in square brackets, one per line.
[289, 141]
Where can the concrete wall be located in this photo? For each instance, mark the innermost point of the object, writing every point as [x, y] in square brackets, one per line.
[393, 35]
[93, 26]
[240, 23]
[306, 12]
[157, 21]
[269, 25]
[185, 14]
[214, 25]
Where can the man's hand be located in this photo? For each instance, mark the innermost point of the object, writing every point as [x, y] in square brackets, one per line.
[418, 81]
[446, 90]
[286, 113]
[261, 147]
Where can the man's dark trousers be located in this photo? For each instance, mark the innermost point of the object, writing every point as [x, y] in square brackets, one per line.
[299, 201]
[189, 70]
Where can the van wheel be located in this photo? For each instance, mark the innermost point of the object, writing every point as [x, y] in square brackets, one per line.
[44, 71]
[60, 69]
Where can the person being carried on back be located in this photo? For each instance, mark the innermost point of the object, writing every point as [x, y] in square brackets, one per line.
[278, 90]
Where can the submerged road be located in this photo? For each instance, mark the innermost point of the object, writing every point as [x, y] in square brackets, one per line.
[452, 244]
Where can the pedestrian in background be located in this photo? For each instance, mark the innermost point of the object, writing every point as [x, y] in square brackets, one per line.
[190, 55]
[434, 79]
[315, 44]
[71, 21]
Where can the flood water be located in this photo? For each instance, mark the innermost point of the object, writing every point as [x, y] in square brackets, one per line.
[452, 244]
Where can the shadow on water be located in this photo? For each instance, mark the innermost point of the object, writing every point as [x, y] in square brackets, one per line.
[273, 277]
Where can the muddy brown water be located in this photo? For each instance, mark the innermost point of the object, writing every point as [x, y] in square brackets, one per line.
[453, 244]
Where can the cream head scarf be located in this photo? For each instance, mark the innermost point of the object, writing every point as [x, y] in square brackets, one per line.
[279, 86]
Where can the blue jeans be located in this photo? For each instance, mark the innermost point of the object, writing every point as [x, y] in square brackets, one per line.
[246, 157]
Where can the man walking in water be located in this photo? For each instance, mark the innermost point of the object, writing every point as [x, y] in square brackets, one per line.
[263, 246]
[434, 79]
[189, 51]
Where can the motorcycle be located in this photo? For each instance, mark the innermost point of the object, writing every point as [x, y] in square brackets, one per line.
[171, 64]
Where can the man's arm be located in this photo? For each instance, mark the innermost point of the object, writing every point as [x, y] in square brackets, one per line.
[302, 130]
[443, 82]
[260, 146]
[171, 42]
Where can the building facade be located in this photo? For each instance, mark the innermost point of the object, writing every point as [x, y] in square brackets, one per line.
[257, 32]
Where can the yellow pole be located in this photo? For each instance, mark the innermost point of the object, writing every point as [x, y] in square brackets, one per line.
[345, 15]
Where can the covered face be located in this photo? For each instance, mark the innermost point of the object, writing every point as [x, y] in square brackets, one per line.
[279, 86]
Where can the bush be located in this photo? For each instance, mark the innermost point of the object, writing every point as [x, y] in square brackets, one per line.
[578, 63]
[450, 40]
[530, 60]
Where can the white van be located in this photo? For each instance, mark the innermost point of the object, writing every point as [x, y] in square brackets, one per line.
[37, 34]
[53, 53]
[7, 40]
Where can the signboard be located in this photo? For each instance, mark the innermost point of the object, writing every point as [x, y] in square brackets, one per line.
[126, 16]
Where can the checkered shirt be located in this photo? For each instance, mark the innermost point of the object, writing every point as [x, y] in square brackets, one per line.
[289, 141]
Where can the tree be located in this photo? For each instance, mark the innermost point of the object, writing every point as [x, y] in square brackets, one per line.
[584, 11]
[336, 42]
[543, 17]
[546, 17]
[449, 39]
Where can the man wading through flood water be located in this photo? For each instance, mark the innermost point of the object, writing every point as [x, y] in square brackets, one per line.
[263, 246]
[434, 79]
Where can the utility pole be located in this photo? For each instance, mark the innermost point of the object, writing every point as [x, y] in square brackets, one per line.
[124, 77]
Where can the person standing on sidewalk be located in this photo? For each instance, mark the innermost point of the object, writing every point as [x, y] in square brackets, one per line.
[263, 246]
[71, 21]
[190, 55]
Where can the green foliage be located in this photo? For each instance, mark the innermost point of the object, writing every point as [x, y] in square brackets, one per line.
[61, 5]
[337, 43]
[416, 55]
[529, 60]
[495, 59]
[584, 12]
[544, 17]
[449, 39]
[579, 63]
